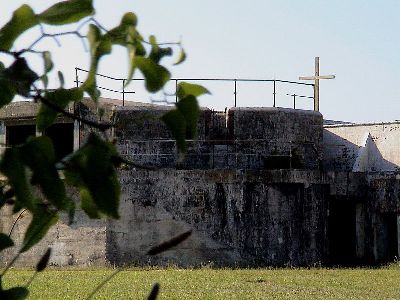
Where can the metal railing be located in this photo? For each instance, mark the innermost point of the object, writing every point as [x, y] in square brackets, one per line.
[233, 81]
[218, 153]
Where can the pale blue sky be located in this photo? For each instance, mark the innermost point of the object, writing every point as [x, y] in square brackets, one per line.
[357, 40]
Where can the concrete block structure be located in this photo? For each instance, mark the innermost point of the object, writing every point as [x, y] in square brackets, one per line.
[258, 187]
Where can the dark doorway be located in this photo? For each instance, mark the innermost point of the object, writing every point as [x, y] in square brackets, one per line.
[342, 232]
[62, 135]
[18, 134]
[389, 236]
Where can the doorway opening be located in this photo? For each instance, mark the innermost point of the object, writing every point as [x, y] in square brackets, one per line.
[62, 135]
[389, 236]
[342, 232]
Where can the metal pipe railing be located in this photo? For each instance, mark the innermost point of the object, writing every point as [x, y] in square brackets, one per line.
[235, 82]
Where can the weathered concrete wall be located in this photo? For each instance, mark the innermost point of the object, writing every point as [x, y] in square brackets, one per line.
[383, 209]
[238, 218]
[345, 146]
[248, 138]
[83, 243]
[252, 218]
[144, 138]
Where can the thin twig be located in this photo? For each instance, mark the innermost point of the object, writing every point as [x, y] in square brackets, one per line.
[80, 26]
[11, 53]
[56, 40]
[53, 36]
[15, 222]
[34, 43]
[100, 126]
[74, 32]
[98, 24]
[160, 44]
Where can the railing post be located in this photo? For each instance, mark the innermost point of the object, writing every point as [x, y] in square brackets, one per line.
[76, 77]
[123, 92]
[294, 101]
[274, 92]
[176, 90]
[235, 92]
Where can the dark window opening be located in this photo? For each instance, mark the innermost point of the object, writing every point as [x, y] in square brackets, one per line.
[18, 134]
[342, 232]
[389, 236]
[62, 136]
[276, 162]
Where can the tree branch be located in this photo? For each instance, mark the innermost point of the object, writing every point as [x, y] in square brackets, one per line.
[100, 126]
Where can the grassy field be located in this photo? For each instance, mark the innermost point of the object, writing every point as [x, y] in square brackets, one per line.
[207, 283]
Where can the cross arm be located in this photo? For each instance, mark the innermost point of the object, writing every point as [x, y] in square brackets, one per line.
[317, 77]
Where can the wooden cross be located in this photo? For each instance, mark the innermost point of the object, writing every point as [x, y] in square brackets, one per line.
[316, 79]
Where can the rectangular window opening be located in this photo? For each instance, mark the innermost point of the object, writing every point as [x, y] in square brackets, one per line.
[18, 134]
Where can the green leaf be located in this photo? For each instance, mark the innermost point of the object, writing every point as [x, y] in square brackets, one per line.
[131, 54]
[15, 293]
[156, 76]
[129, 19]
[88, 205]
[190, 110]
[173, 242]
[5, 241]
[11, 165]
[41, 222]
[22, 19]
[44, 260]
[154, 292]
[125, 34]
[45, 80]
[93, 92]
[59, 98]
[39, 155]
[7, 89]
[176, 122]
[67, 12]
[21, 76]
[181, 57]
[183, 120]
[157, 53]
[100, 45]
[71, 212]
[92, 169]
[186, 89]
[48, 63]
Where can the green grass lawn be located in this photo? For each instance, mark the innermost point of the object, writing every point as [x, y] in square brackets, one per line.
[207, 283]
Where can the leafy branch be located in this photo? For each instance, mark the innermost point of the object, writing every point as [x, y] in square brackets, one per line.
[92, 169]
[100, 126]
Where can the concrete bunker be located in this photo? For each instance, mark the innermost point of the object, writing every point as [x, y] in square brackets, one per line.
[260, 186]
